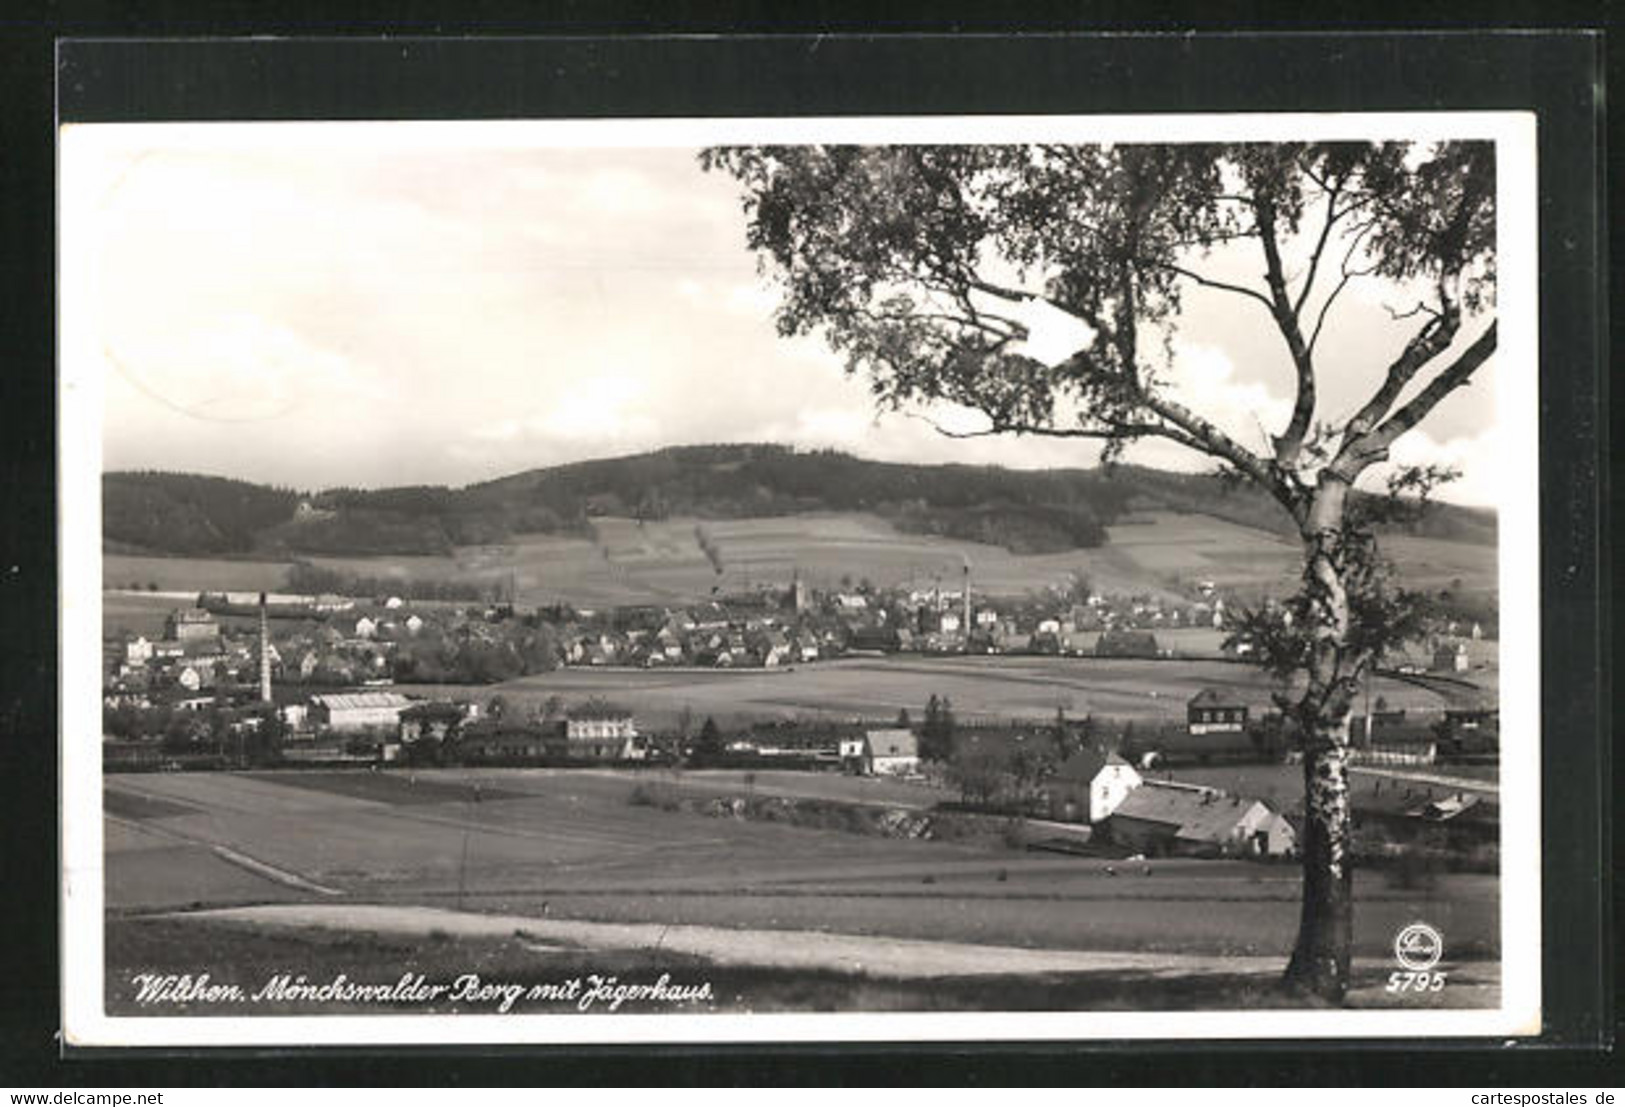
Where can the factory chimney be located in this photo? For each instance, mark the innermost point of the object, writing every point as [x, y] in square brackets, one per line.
[265, 652]
[965, 630]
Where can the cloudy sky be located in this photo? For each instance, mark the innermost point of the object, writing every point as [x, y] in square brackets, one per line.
[314, 305]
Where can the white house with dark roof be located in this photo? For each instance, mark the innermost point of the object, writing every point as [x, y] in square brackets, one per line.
[1089, 786]
[891, 752]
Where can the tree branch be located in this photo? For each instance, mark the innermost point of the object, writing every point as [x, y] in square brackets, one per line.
[1208, 282]
[1115, 431]
[1426, 344]
[1332, 216]
[1209, 439]
[1452, 378]
[1285, 314]
[1371, 447]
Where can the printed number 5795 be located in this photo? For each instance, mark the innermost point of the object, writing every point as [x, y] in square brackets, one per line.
[1416, 981]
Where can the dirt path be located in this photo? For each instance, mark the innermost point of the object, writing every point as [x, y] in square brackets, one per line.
[899, 958]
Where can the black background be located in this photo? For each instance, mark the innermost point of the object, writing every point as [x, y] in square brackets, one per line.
[974, 71]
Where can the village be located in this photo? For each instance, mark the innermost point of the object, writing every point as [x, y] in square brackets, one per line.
[256, 681]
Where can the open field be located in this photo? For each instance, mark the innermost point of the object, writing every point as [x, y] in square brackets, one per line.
[997, 688]
[661, 561]
[192, 574]
[568, 846]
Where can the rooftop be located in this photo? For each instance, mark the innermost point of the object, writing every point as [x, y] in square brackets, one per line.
[355, 701]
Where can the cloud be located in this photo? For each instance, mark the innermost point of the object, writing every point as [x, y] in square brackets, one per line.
[1052, 334]
[240, 368]
[598, 408]
[393, 312]
[1478, 457]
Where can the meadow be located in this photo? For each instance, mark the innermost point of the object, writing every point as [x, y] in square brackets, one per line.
[626, 562]
[570, 845]
[980, 688]
[192, 574]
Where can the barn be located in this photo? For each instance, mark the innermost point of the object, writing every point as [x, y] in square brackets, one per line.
[1161, 818]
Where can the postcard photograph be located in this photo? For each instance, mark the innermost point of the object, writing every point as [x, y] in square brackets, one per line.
[718, 580]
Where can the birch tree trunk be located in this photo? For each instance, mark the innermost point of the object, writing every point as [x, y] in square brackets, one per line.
[1320, 960]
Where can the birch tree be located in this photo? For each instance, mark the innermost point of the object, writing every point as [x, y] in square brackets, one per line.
[921, 266]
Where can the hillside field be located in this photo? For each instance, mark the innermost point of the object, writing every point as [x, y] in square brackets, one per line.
[662, 562]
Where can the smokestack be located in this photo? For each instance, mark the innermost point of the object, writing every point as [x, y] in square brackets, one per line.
[966, 628]
[265, 652]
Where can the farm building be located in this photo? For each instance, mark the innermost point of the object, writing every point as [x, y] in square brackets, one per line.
[434, 720]
[189, 625]
[1161, 818]
[1126, 643]
[1213, 712]
[893, 752]
[1451, 657]
[358, 710]
[495, 741]
[1176, 745]
[1088, 786]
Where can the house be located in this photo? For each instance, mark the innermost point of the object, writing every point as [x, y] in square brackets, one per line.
[503, 742]
[365, 627]
[892, 752]
[852, 750]
[1126, 643]
[1211, 711]
[1163, 817]
[432, 720]
[1451, 657]
[1089, 786]
[190, 624]
[138, 652]
[601, 730]
[358, 710]
[413, 624]
[393, 602]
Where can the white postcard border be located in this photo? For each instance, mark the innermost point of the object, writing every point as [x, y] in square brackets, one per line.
[79, 532]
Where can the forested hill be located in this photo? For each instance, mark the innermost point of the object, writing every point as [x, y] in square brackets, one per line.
[1025, 511]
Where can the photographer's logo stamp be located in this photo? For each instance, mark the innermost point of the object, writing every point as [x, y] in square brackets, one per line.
[1418, 947]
